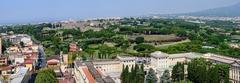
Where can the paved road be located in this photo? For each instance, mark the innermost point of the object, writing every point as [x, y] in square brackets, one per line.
[42, 58]
[40, 64]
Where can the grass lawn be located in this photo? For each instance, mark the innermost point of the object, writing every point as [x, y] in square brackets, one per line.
[154, 37]
[159, 37]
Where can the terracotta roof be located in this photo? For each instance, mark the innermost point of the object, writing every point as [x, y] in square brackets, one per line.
[29, 61]
[88, 75]
[3, 68]
[52, 63]
[33, 56]
[3, 57]
[66, 81]
[54, 57]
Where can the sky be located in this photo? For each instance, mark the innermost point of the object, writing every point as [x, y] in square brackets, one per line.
[32, 11]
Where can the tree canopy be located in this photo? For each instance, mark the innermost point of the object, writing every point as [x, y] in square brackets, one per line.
[46, 76]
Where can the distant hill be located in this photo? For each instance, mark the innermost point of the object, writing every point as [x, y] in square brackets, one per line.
[233, 10]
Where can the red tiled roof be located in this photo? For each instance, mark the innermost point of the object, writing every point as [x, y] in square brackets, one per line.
[73, 47]
[33, 56]
[3, 58]
[52, 63]
[29, 61]
[89, 76]
[66, 81]
[6, 68]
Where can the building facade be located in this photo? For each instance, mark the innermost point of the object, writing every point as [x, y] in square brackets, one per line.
[159, 61]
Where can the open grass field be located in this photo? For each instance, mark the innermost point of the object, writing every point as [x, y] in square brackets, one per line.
[154, 37]
[159, 37]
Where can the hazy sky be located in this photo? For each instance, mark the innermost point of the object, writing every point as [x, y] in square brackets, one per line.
[25, 11]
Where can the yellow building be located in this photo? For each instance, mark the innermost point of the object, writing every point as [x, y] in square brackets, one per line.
[29, 63]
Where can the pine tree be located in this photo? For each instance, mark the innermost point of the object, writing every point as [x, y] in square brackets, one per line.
[151, 76]
[165, 78]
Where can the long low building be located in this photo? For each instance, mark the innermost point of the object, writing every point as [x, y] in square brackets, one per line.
[158, 61]
[161, 61]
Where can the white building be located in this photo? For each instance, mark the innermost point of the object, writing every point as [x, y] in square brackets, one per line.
[160, 61]
[127, 61]
[234, 73]
[108, 66]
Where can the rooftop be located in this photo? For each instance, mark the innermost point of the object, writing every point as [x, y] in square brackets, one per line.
[125, 58]
[4, 68]
[190, 55]
[236, 37]
[223, 59]
[29, 61]
[88, 75]
[18, 77]
[99, 62]
[79, 63]
[159, 54]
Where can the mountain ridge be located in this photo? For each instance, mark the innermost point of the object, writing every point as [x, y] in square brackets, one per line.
[229, 11]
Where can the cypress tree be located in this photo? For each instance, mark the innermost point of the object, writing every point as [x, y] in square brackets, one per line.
[151, 76]
[126, 76]
[140, 76]
[165, 78]
[122, 74]
[132, 75]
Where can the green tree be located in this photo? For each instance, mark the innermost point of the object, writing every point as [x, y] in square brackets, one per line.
[219, 73]
[197, 70]
[165, 78]
[143, 47]
[125, 75]
[46, 76]
[178, 72]
[21, 44]
[139, 40]
[223, 70]
[91, 52]
[140, 75]
[151, 76]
